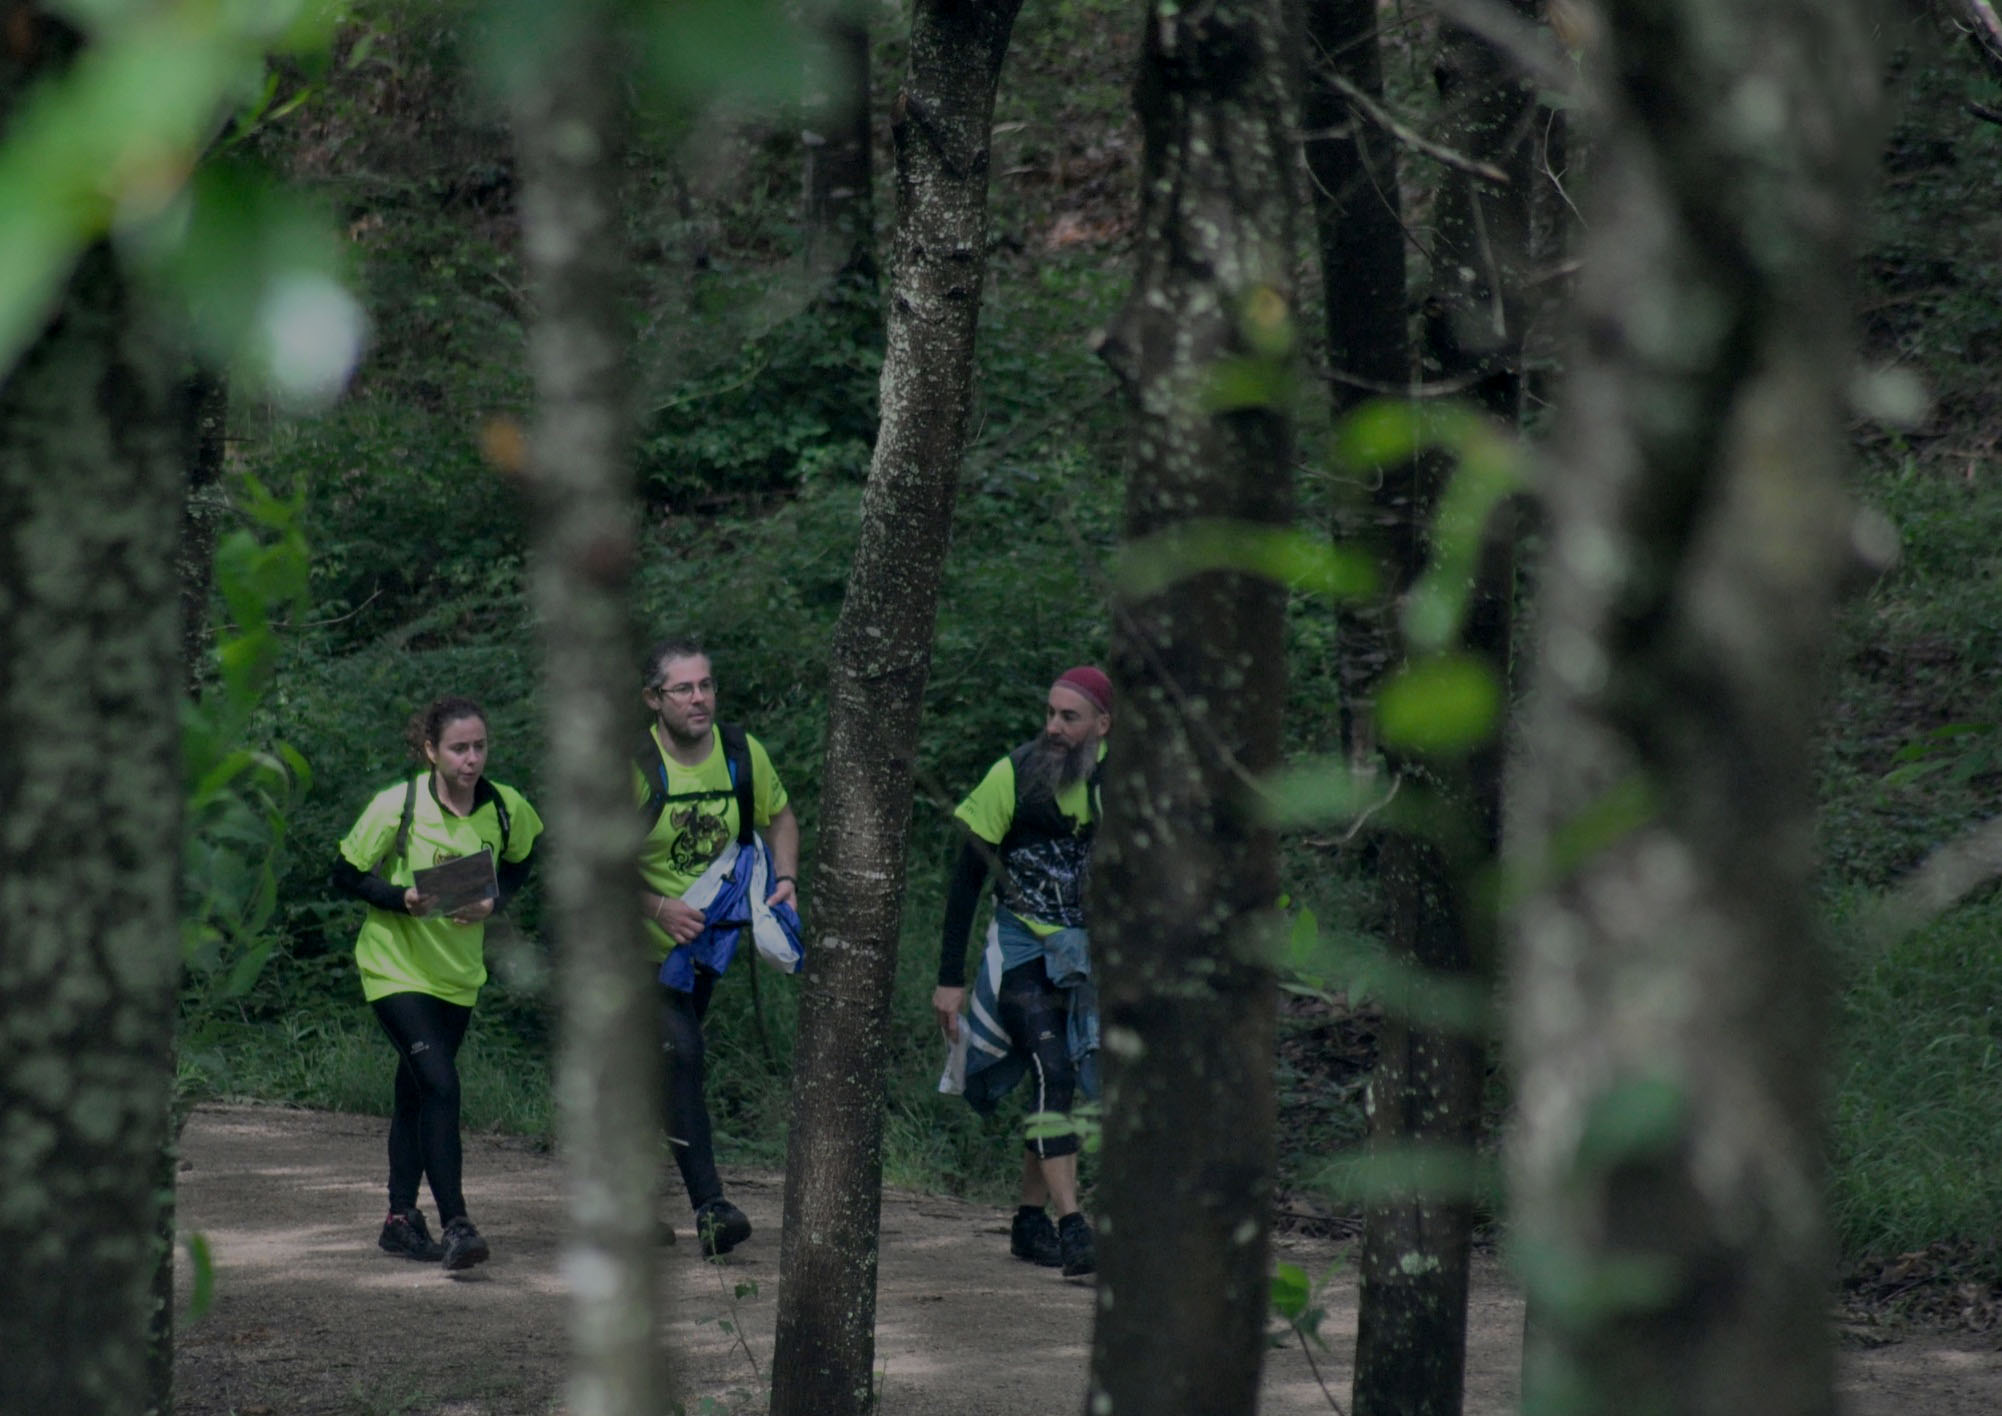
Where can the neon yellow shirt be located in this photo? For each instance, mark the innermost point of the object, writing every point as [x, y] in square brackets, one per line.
[989, 811]
[400, 953]
[700, 819]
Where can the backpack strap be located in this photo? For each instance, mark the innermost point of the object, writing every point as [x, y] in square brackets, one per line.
[737, 756]
[402, 841]
[646, 757]
[487, 792]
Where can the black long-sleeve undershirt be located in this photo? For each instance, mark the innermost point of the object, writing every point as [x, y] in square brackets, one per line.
[350, 879]
[962, 899]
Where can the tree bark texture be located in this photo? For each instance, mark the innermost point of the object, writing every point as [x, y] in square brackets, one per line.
[90, 777]
[204, 410]
[583, 546]
[1185, 878]
[1668, 972]
[1475, 308]
[825, 1344]
[1413, 1262]
[840, 206]
[1359, 224]
[1358, 212]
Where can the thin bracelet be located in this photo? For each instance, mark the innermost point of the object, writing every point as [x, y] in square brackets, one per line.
[777, 878]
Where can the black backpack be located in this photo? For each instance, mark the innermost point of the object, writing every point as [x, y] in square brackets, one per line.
[736, 755]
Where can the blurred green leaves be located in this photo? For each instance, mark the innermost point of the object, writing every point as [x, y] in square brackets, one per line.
[107, 146]
[241, 792]
[1290, 557]
[1489, 466]
[1443, 706]
[685, 52]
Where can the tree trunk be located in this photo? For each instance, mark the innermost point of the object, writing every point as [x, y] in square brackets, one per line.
[1411, 1330]
[90, 772]
[1358, 213]
[1358, 217]
[1186, 880]
[825, 1344]
[1668, 986]
[204, 412]
[1480, 231]
[840, 207]
[608, 1065]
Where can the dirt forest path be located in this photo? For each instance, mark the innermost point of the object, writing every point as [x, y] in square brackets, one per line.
[309, 1318]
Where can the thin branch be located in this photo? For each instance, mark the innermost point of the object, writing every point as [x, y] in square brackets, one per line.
[1369, 108]
[1947, 876]
[1985, 30]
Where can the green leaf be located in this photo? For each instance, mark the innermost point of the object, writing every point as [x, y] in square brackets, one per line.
[201, 1264]
[1282, 554]
[1445, 706]
[1248, 381]
[1399, 1172]
[1290, 1291]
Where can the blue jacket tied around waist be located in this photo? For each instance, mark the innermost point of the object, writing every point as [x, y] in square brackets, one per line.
[731, 895]
[982, 1064]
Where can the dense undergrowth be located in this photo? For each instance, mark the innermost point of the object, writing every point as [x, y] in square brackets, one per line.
[756, 406]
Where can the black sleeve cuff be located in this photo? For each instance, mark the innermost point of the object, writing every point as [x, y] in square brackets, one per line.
[347, 879]
[511, 875]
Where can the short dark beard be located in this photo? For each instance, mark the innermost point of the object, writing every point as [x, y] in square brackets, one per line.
[1053, 766]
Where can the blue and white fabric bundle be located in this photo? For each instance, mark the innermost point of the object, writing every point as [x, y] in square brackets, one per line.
[731, 894]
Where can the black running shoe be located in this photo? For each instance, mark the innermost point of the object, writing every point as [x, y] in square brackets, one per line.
[721, 1227]
[1080, 1253]
[405, 1235]
[1034, 1238]
[463, 1245]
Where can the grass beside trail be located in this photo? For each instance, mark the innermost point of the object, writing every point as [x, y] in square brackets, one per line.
[1916, 1125]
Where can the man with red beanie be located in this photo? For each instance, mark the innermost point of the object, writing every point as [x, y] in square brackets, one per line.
[1033, 1012]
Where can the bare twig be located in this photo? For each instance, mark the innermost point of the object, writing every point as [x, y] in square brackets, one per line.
[1410, 137]
[1947, 876]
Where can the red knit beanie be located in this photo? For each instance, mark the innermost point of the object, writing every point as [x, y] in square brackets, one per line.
[1091, 682]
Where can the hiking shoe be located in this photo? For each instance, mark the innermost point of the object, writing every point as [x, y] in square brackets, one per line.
[721, 1227]
[1074, 1242]
[463, 1245]
[405, 1235]
[1034, 1238]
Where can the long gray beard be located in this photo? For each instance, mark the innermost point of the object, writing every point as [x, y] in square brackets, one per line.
[1052, 766]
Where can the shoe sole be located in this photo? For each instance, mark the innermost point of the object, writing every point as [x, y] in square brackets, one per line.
[474, 1253]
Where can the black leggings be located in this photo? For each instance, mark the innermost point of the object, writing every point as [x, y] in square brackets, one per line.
[424, 1126]
[1035, 1014]
[685, 1112]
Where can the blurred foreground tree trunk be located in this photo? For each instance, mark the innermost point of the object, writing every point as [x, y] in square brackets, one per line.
[90, 782]
[1668, 972]
[840, 203]
[1425, 1093]
[1185, 876]
[568, 130]
[825, 1345]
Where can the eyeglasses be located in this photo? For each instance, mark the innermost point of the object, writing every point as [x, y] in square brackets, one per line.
[682, 692]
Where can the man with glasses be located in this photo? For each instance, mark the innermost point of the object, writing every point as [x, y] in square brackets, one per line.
[691, 781]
